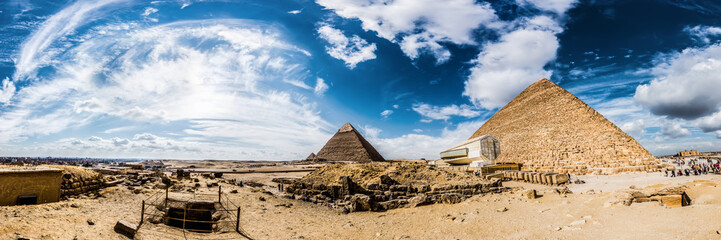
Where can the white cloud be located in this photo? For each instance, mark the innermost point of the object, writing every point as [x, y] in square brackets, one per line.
[674, 130]
[687, 84]
[418, 130]
[320, 87]
[703, 32]
[557, 6]
[33, 51]
[710, 123]
[149, 11]
[297, 83]
[120, 141]
[718, 134]
[370, 132]
[419, 25]
[504, 68]
[424, 146]
[161, 76]
[351, 50]
[7, 91]
[635, 128]
[294, 11]
[386, 113]
[395, 106]
[145, 136]
[445, 113]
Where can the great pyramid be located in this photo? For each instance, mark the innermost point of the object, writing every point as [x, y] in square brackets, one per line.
[548, 129]
[348, 145]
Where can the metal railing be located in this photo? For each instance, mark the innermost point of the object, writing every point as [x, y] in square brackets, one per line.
[155, 208]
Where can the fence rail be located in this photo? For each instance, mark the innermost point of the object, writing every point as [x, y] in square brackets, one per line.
[156, 207]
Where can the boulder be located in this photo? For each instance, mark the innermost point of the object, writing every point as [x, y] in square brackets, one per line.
[418, 200]
[125, 228]
[530, 193]
[451, 198]
[391, 204]
[360, 202]
[385, 179]
[674, 201]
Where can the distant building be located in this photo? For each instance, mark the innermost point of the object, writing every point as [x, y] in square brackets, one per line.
[29, 185]
[485, 148]
[688, 153]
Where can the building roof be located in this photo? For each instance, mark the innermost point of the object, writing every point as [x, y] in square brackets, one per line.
[467, 141]
[28, 169]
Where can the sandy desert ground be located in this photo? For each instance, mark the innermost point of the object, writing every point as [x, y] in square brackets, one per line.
[580, 215]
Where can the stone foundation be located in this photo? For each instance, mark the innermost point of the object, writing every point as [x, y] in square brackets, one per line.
[388, 194]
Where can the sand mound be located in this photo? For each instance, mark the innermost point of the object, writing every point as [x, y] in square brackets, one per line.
[77, 172]
[403, 173]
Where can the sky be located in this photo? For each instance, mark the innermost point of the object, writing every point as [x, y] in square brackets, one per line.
[274, 80]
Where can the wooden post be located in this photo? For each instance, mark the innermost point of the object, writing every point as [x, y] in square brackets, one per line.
[166, 196]
[142, 214]
[220, 191]
[185, 213]
[237, 221]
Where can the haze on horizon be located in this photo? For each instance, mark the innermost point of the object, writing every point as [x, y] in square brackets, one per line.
[273, 80]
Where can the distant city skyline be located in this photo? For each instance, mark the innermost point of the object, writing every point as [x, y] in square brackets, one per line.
[274, 80]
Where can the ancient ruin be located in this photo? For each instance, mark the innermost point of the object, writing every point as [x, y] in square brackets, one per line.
[384, 186]
[29, 185]
[348, 145]
[548, 129]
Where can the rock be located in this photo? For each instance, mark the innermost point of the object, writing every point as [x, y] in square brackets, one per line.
[530, 193]
[419, 200]
[577, 222]
[503, 209]
[91, 222]
[137, 191]
[75, 205]
[674, 201]
[590, 192]
[385, 179]
[261, 198]
[451, 198]
[558, 229]
[391, 204]
[234, 191]
[125, 228]
[360, 202]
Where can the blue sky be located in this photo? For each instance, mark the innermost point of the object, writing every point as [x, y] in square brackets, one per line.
[273, 80]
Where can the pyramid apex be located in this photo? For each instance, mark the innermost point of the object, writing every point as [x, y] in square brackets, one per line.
[346, 127]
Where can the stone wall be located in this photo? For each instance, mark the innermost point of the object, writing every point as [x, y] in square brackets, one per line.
[73, 184]
[388, 194]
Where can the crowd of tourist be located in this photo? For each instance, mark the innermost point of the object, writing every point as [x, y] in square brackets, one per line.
[690, 167]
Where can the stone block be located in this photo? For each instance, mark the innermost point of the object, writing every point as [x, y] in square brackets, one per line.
[126, 228]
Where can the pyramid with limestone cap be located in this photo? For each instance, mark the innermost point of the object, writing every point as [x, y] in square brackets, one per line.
[548, 129]
[348, 145]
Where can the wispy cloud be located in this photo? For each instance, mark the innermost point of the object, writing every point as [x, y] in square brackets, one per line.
[161, 76]
[446, 112]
